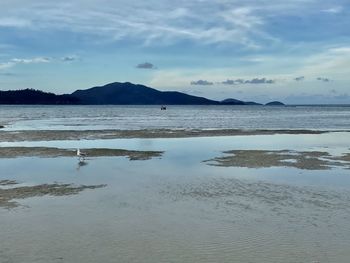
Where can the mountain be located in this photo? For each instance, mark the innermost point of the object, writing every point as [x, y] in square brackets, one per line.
[238, 102]
[128, 93]
[231, 101]
[31, 96]
[115, 94]
[275, 103]
[252, 103]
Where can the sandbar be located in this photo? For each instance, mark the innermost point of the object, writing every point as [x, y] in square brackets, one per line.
[52, 152]
[312, 160]
[54, 135]
[8, 195]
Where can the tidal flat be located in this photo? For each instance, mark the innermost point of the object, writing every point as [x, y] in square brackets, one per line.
[53, 135]
[264, 198]
[312, 160]
[8, 195]
[53, 152]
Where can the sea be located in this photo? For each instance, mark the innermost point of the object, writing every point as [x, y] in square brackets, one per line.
[177, 208]
[175, 117]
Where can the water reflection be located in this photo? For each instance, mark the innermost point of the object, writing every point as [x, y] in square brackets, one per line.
[81, 163]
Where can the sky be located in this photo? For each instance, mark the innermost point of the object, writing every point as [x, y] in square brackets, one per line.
[295, 51]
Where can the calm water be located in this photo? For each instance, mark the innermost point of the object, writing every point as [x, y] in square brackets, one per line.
[177, 208]
[199, 117]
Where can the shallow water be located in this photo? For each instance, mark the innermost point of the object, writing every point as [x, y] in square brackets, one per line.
[177, 208]
[175, 117]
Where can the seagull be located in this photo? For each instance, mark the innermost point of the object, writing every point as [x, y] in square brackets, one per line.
[81, 155]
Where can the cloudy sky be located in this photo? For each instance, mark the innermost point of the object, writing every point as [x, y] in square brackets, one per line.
[297, 51]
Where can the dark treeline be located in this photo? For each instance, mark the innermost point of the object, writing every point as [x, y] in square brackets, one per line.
[32, 96]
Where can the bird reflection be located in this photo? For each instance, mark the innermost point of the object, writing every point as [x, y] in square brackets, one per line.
[81, 164]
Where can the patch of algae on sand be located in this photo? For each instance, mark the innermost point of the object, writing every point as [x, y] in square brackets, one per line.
[312, 160]
[345, 157]
[51, 152]
[7, 182]
[8, 195]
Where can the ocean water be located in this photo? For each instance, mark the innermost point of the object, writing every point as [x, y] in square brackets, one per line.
[175, 117]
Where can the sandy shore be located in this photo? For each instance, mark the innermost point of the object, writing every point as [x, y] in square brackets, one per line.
[312, 160]
[52, 135]
[7, 195]
[51, 152]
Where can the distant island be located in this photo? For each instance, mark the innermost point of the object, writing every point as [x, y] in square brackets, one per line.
[115, 94]
[274, 103]
[31, 96]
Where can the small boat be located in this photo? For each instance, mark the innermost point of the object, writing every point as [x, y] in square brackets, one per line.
[163, 108]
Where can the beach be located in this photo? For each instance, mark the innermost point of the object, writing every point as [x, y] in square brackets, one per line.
[174, 194]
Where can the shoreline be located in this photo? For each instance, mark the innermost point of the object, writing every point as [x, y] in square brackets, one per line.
[56, 135]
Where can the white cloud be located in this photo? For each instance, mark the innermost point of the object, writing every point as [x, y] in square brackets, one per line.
[333, 61]
[339, 50]
[14, 22]
[230, 22]
[243, 17]
[6, 65]
[153, 22]
[333, 10]
[30, 60]
[15, 61]
[238, 22]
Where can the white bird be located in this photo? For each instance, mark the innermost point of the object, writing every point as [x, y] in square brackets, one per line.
[81, 155]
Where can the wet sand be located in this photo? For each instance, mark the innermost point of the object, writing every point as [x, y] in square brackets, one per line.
[52, 152]
[7, 182]
[313, 160]
[8, 195]
[53, 135]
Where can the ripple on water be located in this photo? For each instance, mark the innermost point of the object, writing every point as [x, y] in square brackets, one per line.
[269, 222]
